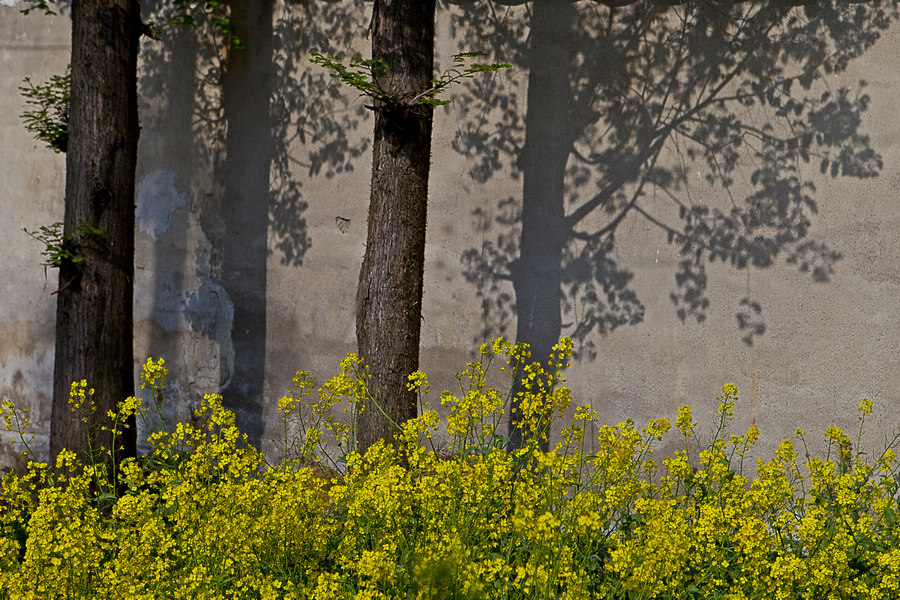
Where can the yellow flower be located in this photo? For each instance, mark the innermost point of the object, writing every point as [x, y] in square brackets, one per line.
[752, 435]
[418, 382]
[865, 407]
[658, 427]
[153, 374]
[684, 421]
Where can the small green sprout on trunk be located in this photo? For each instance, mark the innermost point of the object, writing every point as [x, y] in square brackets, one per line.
[47, 116]
[59, 248]
[43, 5]
[366, 75]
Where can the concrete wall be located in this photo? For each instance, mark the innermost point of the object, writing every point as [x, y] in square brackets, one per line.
[251, 201]
[33, 182]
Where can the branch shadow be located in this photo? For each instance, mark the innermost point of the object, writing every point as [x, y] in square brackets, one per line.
[226, 124]
[626, 107]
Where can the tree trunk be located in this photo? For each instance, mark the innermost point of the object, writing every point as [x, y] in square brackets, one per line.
[94, 316]
[389, 299]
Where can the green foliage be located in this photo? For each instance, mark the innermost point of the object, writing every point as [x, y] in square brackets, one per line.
[47, 118]
[446, 512]
[366, 76]
[39, 5]
[184, 11]
[217, 12]
[56, 245]
[58, 248]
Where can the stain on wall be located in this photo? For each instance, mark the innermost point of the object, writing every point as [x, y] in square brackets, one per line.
[157, 199]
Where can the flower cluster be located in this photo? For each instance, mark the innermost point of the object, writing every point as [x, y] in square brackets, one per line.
[204, 515]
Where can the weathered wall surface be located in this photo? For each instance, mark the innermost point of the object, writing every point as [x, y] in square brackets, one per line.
[32, 180]
[251, 201]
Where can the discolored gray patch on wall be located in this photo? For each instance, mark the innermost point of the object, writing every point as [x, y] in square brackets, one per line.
[210, 311]
[157, 199]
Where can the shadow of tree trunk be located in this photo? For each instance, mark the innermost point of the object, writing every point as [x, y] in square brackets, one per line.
[537, 273]
[239, 264]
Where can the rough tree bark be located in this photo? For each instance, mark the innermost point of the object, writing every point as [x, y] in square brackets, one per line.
[94, 318]
[389, 298]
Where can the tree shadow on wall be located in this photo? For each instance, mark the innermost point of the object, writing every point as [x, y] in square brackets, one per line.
[625, 102]
[232, 123]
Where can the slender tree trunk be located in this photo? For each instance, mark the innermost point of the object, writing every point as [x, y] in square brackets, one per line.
[94, 317]
[537, 274]
[389, 299]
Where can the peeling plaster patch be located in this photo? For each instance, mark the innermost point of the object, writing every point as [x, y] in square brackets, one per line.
[157, 200]
[8, 3]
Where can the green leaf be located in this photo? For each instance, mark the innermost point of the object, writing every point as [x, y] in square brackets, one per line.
[47, 115]
[37, 5]
[363, 75]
